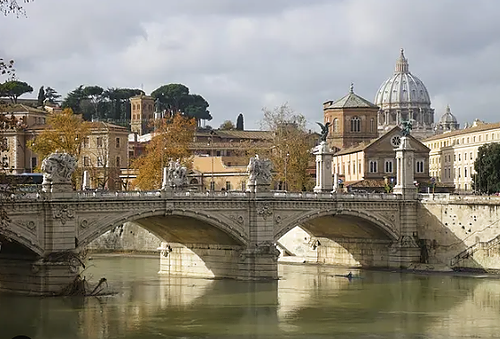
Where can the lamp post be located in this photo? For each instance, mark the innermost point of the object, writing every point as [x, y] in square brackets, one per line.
[210, 144]
[286, 161]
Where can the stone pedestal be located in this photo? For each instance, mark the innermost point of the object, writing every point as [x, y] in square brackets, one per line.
[324, 156]
[255, 187]
[405, 175]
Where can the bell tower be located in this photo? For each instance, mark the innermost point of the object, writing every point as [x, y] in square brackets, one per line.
[352, 119]
[141, 114]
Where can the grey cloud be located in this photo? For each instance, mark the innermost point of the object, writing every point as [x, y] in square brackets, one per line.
[243, 55]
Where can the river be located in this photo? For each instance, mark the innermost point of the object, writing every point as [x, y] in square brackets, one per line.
[307, 302]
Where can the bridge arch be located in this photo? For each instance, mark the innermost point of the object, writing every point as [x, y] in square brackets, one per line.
[371, 220]
[13, 235]
[158, 222]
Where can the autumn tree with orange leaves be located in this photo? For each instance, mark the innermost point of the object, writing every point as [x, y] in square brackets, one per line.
[171, 141]
[65, 132]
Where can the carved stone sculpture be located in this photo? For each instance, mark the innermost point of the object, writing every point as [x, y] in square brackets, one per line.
[176, 174]
[57, 168]
[259, 171]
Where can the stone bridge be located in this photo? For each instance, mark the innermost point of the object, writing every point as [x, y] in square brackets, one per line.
[234, 233]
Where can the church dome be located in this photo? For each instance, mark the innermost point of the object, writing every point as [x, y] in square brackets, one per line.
[448, 117]
[403, 88]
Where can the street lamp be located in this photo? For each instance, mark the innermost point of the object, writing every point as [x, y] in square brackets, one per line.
[210, 144]
[286, 161]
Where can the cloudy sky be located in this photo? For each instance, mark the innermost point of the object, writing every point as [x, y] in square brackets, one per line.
[243, 55]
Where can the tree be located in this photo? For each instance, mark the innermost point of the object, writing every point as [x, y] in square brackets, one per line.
[7, 69]
[227, 125]
[487, 167]
[41, 96]
[12, 6]
[239, 123]
[73, 99]
[171, 141]
[177, 99]
[94, 93]
[14, 89]
[52, 96]
[119, 99]
[290, 153]
[65, 132]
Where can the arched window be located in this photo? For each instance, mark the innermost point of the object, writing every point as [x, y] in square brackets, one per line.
[335, 125]
[355, 124]
[372, 125]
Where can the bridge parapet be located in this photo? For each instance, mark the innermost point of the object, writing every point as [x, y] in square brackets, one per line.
[141, 195]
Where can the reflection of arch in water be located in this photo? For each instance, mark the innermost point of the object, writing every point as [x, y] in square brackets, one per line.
[380, 298]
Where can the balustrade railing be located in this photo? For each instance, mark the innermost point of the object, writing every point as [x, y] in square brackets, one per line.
[158, 194]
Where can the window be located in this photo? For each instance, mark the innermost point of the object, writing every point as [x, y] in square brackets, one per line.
[465, 156]
[117, 143]
[465, 172]
[228, 185]
[373, 166]
[335, 125]
[86, 142]
[99, 142]
[118, 161]
[420, 166]
[372, 125]
[470, 156]
[86, 161]
[459, 157]
[388, 166]
[100, 163]
[355, 124]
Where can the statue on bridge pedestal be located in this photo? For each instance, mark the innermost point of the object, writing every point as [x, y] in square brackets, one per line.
[259, 174]
[57, 170]
[176, 175]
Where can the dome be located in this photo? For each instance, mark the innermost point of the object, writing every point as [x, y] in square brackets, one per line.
[448, 117]
[403, 88]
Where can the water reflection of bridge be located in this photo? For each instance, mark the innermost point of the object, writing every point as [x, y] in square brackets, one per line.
[307, 300]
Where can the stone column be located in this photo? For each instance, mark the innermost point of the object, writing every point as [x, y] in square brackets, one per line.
[405, 250]
[259, 261]
[165, 183]
[405, 162]
[323, 168]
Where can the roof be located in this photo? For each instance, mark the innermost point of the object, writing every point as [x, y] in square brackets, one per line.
[20, 108]
[244, 134]
[352, 100]
[361, 146]
[478, 128]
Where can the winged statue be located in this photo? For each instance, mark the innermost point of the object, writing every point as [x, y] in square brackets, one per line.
[324, 130]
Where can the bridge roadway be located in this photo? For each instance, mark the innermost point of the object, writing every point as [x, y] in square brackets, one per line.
[234, 233]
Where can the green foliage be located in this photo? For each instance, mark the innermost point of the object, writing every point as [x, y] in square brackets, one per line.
[14, 89]
[239, 123]
[41, 96]
[227, 125]
[175, 98]
[487, 167]
[111, 104]
[52, 96]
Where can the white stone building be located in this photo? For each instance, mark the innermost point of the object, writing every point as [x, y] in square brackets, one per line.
[452, 154]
